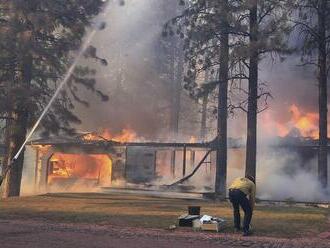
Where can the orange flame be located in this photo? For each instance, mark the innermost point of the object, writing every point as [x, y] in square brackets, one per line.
[92, 167]
[304, 123]
[126, 135]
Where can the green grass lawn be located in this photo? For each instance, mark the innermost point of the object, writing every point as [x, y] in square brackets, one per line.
[153, 212]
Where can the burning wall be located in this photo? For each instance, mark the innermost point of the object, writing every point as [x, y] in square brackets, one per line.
[74, 165]
[94, 160]
[84, 167]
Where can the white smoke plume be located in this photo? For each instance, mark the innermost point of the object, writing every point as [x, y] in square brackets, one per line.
[281, 177]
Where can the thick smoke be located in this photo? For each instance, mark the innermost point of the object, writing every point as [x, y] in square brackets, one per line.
[139, 94]
[281, 176]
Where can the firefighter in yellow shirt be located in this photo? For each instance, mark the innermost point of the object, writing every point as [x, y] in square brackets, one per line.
[242, 193]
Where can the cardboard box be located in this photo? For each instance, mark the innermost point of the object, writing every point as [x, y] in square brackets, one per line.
[212, 226]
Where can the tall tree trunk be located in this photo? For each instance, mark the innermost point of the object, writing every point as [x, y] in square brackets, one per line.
[178, 86]
[14, 139]
[204, 110]
[251, 143]
[221, 155]
[16, 132]
[323, 98]
[204, 117]
[176, 75]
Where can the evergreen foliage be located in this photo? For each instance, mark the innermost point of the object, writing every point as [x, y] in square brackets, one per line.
[37, 43]
[38, 40]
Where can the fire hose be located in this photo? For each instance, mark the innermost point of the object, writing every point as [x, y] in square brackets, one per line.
[66, 78]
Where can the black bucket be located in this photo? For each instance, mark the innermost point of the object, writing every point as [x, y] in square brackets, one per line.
[194, 210]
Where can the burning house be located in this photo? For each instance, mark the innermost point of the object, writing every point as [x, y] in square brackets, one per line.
[94, 160]
[104, 160]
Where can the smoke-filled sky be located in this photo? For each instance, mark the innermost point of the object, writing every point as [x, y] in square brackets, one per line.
[136, 91]
[139, 97]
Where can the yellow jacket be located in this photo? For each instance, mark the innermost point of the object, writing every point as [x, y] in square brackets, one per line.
[247, 187]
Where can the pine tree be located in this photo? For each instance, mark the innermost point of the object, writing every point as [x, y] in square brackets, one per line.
[204, 27]
[37, 41]
[221, 171]
[262, 29]
[313, 23]
[255, 29]
[172, 63]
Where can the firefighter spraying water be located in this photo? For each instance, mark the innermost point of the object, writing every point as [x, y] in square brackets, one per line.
[84, 48]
